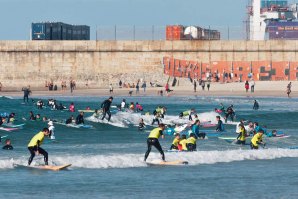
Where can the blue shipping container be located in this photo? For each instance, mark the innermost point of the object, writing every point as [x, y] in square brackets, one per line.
[38, 31]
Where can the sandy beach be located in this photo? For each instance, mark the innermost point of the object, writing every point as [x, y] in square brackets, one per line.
[262, 89]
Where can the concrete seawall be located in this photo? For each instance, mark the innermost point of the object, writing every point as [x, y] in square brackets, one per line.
[104, 62]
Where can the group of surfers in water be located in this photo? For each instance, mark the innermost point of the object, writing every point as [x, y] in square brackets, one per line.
[181, 142]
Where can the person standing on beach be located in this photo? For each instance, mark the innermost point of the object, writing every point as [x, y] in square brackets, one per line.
[203, 85]
[137, 88]
[152, 140]
[111, 89]
[289, 87]
[252, 86]
[208, 85]
[27, 92]
[34, 146]
[246, 85]
[144, 86]
[194, 85]
[106, 108]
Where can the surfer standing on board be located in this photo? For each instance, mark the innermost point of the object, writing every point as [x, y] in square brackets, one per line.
[106, 108]
[34, 146]
[153, 141]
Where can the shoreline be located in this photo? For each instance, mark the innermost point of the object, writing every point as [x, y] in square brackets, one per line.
[262, 89]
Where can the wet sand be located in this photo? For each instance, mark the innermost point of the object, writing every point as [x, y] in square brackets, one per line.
[262, 89]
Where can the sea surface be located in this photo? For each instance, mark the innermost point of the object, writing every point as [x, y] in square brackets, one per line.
[107, 159]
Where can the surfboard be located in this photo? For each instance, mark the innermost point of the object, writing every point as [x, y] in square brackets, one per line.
[87, 111]
[8, 129]
[177, 151]
[208, 125]
[14, 125]
[51, 167]
[167, 163]
[227, 138]
[4, 136]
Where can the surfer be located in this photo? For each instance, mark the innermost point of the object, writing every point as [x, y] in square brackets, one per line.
[256, 105]
[196, 130]
[175, 142]
[11, 118]
[238, 128]
[220, 126]
[182, 143]
[230, 113]
[191, 142]
[256, 140]
[70, 120]
[141, 125]
[242, 135]
[152, 140]
[273, 133]
[139, 107]
[80, 118]
[106, 108]
[31, 116]
[51, 129]
[132, 106]
[72, 107]
[7, 145]
[34, 146]
[27, 92]
[187, 113]
[123, 105]
[96, 114]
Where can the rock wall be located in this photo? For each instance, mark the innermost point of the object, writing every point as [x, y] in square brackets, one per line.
[104, 62]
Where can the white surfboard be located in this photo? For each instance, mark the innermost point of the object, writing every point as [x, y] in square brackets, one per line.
[167, 163]
[51, 167]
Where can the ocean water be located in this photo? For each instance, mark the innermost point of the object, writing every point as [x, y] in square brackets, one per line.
[107, 160]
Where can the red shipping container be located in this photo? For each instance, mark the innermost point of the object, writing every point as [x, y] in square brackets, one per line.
[174, 32]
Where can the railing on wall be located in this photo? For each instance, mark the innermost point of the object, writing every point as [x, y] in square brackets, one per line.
[155, 32]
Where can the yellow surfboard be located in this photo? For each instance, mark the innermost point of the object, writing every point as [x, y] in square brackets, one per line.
[52, 167]
[167, 163]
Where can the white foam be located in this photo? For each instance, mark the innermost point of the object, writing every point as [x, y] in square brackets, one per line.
[136, 160]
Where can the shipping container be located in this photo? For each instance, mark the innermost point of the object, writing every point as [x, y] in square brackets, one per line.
[283, 30]
[191, 33]
[59, 31]
[38, 31]
[175, 32]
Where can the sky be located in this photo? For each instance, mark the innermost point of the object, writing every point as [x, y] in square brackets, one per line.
[16, 16]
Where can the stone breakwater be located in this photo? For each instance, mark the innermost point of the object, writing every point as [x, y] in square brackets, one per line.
[100, 63]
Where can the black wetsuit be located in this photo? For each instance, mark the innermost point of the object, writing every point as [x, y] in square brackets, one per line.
[80, 119]
[256, 105]
[154, 142]
[69, 121]
[219, 126]
[7, 147]
[106, 109]
[40, 150]
[141, 126]
[26, 94]
[231, 113]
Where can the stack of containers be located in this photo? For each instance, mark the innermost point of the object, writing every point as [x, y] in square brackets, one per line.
[59, 31]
